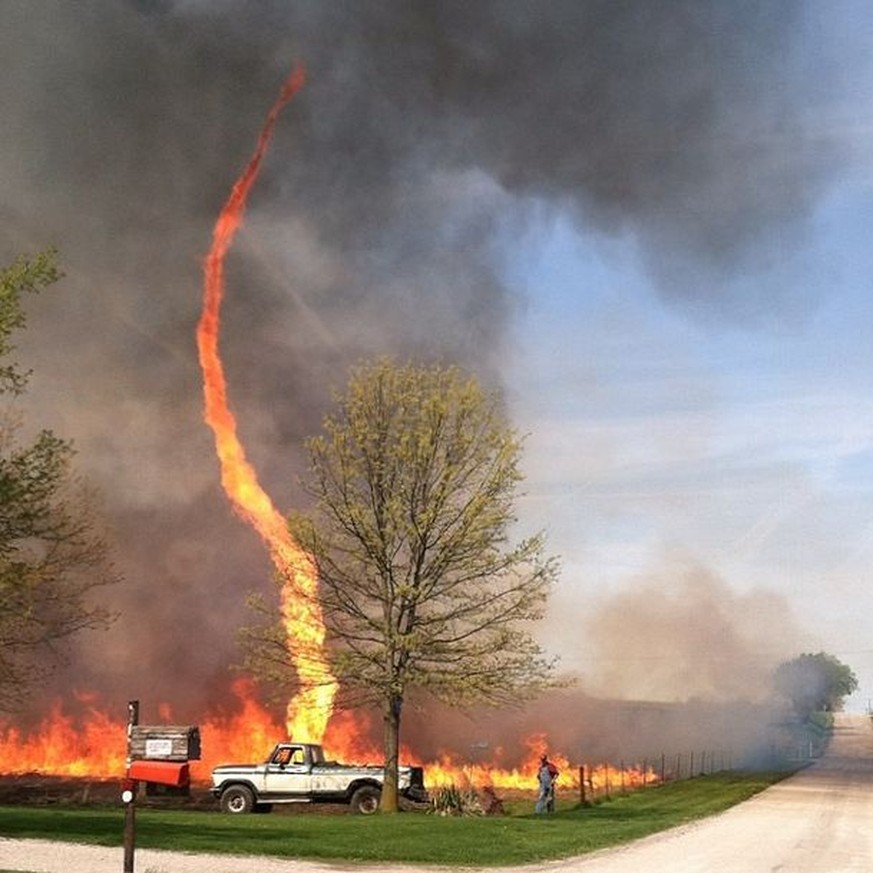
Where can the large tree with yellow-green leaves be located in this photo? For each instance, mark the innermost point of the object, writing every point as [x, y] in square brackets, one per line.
[53, 557]
[422, 583]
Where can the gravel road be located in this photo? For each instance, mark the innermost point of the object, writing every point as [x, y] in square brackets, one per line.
[818, 821]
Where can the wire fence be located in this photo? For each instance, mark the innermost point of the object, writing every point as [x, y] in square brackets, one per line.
[606, 780]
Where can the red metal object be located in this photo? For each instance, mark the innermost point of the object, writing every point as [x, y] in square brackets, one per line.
[160, 772]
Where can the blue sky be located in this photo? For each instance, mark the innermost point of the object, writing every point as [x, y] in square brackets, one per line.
[742, 443]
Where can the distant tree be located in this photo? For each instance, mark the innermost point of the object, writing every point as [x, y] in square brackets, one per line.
[414, 481]
[52, 556]
[815, 683]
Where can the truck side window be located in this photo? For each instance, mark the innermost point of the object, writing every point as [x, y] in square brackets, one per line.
[298, 757]
[282, 757]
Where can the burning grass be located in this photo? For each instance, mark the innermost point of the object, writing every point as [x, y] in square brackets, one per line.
[91, 746]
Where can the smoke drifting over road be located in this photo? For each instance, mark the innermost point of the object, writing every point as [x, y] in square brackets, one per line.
[428, 135]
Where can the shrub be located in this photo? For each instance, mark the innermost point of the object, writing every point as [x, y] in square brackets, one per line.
[451, 800]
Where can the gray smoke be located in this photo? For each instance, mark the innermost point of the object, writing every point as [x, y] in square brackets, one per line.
[680, 633]
[427, 135]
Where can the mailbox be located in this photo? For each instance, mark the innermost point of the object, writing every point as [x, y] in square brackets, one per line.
[158, 757]
[165, 742]
[171, 773]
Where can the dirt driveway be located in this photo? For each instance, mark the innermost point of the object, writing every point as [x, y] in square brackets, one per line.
[819, 821]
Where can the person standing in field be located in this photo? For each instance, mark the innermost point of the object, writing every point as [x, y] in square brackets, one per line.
[546, 777]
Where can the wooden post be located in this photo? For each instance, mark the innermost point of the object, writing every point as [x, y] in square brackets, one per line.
[130, 808]
[582, 784]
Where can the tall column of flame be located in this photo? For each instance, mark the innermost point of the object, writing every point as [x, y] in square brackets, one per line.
[309, 710]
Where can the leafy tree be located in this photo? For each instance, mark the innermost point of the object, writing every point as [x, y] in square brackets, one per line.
[414, 480]
[815, 683]
[52, 556]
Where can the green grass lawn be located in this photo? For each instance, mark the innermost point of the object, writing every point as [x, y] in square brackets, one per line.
[516, 838]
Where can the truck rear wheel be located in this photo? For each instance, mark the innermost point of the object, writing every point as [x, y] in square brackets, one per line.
[366, 800]
[237, 799]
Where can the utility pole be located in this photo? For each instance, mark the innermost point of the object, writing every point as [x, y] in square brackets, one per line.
[128, 795]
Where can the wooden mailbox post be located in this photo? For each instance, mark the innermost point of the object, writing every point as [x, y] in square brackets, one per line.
[157, 755]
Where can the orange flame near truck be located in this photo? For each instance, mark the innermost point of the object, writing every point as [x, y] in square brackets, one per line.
[92, 745]
[309, 710]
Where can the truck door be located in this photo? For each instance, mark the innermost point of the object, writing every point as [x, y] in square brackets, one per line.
[287, 772]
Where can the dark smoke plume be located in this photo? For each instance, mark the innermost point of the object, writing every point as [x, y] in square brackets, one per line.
[428, 135]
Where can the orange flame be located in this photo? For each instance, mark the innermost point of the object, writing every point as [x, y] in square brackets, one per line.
[64, 747]
[94, 746]
[308, 712]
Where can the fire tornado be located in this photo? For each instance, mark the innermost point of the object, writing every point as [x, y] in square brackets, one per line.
[309, 710]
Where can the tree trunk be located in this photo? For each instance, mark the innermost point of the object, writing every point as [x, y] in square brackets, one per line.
[392, 749]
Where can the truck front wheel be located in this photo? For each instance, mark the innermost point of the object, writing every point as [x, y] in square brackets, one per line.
[237, 799]
[366, 800]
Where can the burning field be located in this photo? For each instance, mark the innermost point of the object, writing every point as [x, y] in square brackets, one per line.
[75, 752]
[624, 745]
[92, 744]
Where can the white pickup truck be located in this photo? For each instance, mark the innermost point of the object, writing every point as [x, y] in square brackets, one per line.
[298, 773]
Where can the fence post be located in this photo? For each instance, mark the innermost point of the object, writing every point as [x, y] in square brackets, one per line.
[582, 784]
